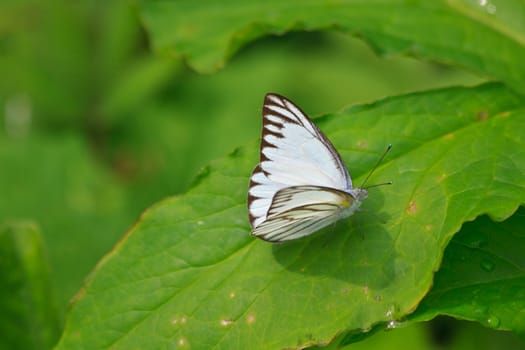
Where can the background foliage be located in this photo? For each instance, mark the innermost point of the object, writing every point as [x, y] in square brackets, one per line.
[96, 127]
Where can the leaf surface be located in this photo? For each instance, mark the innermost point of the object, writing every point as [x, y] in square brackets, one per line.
[189, 274]
[485, 37]
[482, 277]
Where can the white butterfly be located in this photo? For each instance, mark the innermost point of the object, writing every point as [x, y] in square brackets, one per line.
[301, 184]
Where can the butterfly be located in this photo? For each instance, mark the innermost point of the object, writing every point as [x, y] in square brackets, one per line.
[301, 183]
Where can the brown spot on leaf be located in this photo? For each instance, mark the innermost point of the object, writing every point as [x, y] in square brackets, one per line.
[482, 115]
[362, 144]
[250, 319]
[412, 208]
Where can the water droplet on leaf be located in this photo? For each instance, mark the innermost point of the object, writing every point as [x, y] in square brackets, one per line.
[392, 311]
[493, 322]
[392, 325]
[477, 243]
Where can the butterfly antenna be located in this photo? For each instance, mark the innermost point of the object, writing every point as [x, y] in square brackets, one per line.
[376, 185]
[375, 167]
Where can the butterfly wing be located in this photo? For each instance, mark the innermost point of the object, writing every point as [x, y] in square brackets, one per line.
[299, 211]
[294, 152]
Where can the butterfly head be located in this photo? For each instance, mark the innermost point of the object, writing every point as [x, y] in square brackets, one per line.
[359, 194]
[352, 201]
[354, 198]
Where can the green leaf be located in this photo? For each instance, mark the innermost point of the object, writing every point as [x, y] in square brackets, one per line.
[482, 277]
[28, 316]
[189, 274]
[484, 38]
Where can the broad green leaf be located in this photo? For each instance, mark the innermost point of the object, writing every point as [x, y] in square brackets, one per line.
[482, 277]
[28, 316]
[188, 274]
[488, 38]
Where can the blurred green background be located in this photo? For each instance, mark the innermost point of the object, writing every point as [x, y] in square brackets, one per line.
[95, 128]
